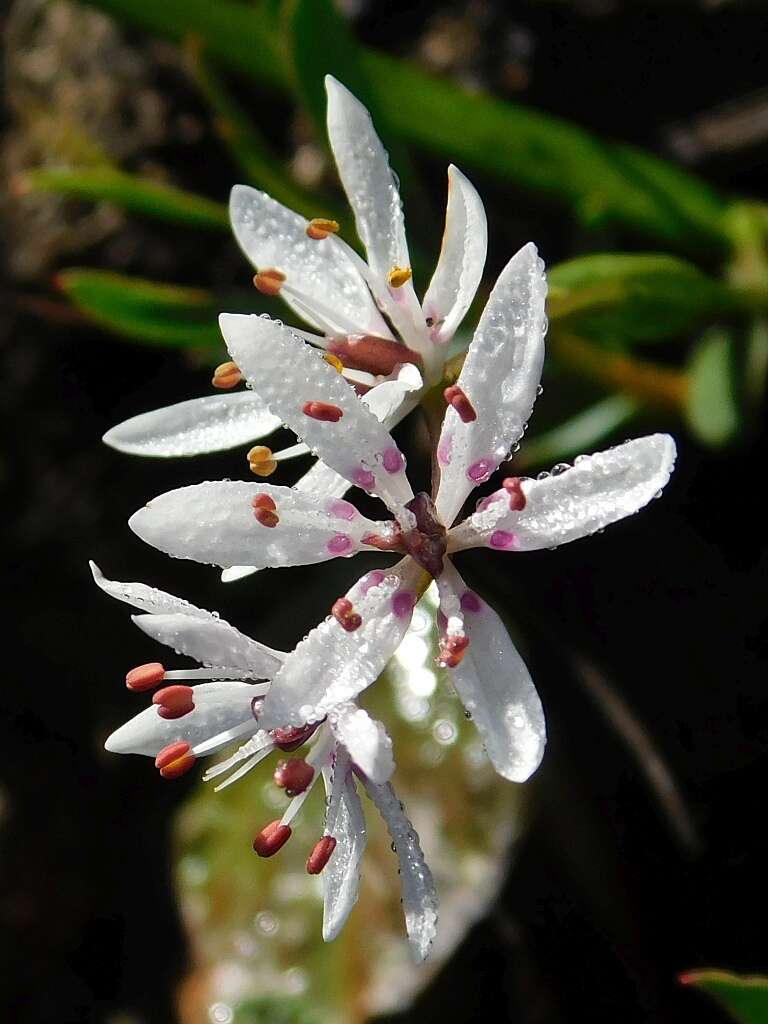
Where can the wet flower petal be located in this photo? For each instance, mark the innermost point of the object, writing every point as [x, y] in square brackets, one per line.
[341, 877]
[366, 740]
[147, 599]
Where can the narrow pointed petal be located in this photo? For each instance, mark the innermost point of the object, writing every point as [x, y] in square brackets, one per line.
[596, 491]
[216, 523]
[218, 706]
[341, 877]
[500, 376]
[147, 599]
[209, 424]
[237, 572]
[291, 378]
[462, 258]
[213, 643]
[494, 684]
[365, 739]
[326, 271]
[332, 665]
[420, 904]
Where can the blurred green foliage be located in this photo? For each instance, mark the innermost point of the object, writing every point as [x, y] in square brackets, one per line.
[744, 997]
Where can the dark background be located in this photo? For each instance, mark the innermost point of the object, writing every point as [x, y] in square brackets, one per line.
[612, 894]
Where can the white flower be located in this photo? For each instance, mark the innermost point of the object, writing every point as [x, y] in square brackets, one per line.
[340, 296]
[185, 722]
[229, 523]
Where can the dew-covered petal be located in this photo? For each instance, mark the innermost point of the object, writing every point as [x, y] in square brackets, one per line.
[493, 682]
[332, 665]
[335, 298]
[147, 599]
[218, 706]
[459, 269]
[213, 643]
[500, 376]
[420, 904]
[209, 424]
[341, 876]
[293, 379]
[597, 490]
[366, 740]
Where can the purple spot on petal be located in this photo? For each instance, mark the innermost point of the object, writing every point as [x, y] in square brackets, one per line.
[364, 478]
[491, 499]
[393, 460]
[503, 540]
[373, 579]
[479, 471]
[470, 602]
[402, 604]
[342, 509]
[339, 544]
[445, 450]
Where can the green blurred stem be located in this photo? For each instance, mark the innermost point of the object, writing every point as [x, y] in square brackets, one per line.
[579, 433]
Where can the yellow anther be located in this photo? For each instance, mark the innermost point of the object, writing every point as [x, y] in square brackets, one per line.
[333, 361]
[269, 282]
[398, 276]
[226, 375]
[319, 228]
[260, 460]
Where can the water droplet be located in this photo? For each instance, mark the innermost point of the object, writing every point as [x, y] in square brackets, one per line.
[561, 467]
[393, 847]
[468, 715]
[544, 475]
[539, 389]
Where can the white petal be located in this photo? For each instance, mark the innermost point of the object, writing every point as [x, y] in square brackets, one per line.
[495, 686]
[147, 599]
[208, 424]
[500, 376]
[288, 374]
[218, 706]
[596, 491]
[214, 523]
[341, 876]
[420, 903]
[322, 482]
[365, 739]
[213, 643]
[392, 399]
[336, 298]
[462, 258]
[331, 665]
[237, 572]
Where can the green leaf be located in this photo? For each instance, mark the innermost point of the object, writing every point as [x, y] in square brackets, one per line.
[621, 298]
[580, 433]
[131, 192]
[160, 314]
[275, 1010]
[756, 363]
[712, 409]
[744, 997]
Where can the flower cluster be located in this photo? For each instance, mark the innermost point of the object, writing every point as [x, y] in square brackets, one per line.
[376, 352]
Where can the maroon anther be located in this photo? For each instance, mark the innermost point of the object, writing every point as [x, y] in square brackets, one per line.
[455, 397]
[175, 760]
[293, 775]
[292, 737]
[272, 838]
[346, 616]
[378, 356]
[323, 411]
[513, 485]
[426, 542]
[452, 650]
[174, 701]
[321, 854]
[145, 677]
[264, 507]
[384, 541]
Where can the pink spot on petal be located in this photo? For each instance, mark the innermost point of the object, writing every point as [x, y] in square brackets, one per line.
[342, 509]
[479, 471]
[339, 544]
[373, 579]
[487, 502]
[470, 602]
[402, 604]
[503, 540]
[364, 478]
[445, 450]
[393, 460]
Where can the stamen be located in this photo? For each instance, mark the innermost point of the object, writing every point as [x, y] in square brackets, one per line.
[456, 398]
[292, 737]
[333, 361]
[513, 485]
[392, 541]
[264, 501]
[452, 650]
[398, 276]
[174, 701]
[272, 838]
[261, 460]
[258, 744]
[372, 354]
[145, 677]
[321, 854]
[174, 760]
[269, 282]
[344, 613]
[226, 375]
[323, 411]
[319, 228]
[293, 775]
[264, 511]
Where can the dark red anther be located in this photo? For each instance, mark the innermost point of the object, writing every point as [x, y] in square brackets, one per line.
[174, 701]
[452, 650]
[378, 356]
[456, 397]
[321, 854]
[323, 411]
[513, 485]
[174, 760]
[145, 677]
[294, 775]
[264, 510]
[292, 737]
[346, 616]
[272, 838]
[265, 501]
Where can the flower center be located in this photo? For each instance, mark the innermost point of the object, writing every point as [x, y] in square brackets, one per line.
[426, 542]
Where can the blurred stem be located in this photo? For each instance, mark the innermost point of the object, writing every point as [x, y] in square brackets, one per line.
[648, 381]
[433, 411]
